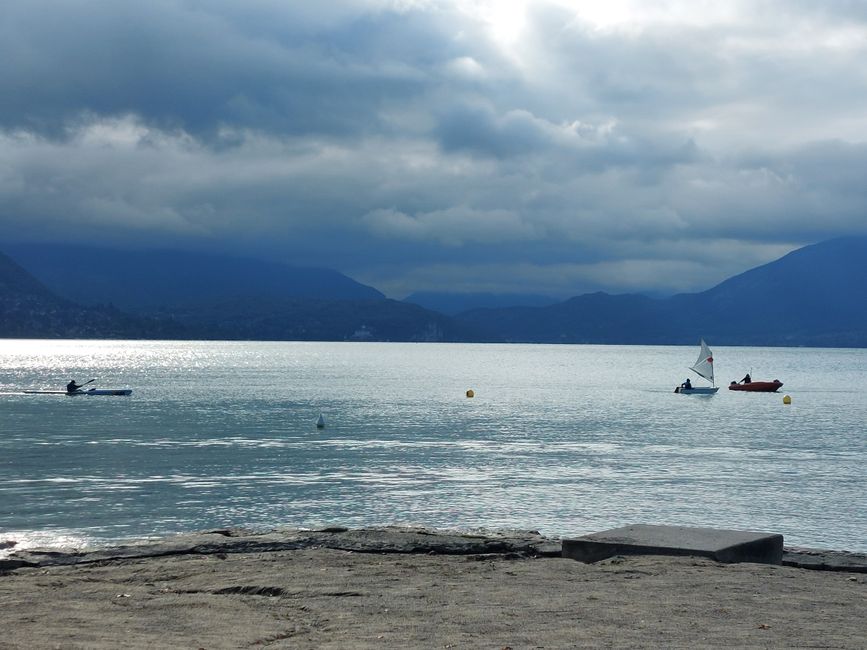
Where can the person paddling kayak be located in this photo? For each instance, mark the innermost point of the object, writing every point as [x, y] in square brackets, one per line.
[71, 387]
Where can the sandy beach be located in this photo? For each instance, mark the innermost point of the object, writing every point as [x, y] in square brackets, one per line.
[398, 589]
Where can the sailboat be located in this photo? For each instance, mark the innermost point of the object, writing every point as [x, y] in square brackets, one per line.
[703, 367]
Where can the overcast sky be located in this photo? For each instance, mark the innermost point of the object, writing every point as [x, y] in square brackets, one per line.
[550, 146]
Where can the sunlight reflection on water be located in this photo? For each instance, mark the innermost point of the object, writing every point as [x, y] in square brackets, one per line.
[563, 439]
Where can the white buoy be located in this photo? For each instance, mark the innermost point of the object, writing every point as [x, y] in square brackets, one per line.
[320, 423]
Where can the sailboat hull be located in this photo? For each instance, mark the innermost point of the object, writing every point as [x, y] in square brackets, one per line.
[697, 390]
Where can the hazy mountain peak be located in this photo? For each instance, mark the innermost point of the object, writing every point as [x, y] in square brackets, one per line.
[142, 281]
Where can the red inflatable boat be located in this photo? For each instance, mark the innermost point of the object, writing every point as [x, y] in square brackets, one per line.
[757, 386]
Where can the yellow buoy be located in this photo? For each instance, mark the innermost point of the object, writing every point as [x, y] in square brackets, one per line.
[787, 400]
[470, 393]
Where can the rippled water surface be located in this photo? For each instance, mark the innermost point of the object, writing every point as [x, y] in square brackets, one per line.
[563, 439]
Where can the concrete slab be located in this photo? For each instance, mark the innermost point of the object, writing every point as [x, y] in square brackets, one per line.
[644, 539]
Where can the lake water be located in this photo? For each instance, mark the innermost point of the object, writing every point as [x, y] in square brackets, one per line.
[565, 439]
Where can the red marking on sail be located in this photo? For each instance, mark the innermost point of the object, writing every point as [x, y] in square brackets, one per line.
[709, 359]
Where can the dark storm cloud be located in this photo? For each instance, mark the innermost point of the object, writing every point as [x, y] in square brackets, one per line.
[435, 145]
[199, 66]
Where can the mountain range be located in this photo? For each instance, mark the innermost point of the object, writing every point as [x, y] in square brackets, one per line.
[29, 310]
[814, 296]
[453, 304]
[145, 282]
[92, 292]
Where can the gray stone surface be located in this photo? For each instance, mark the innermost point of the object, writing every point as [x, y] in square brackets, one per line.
[366, 540]
[371, 540]
[644, 539]
[823, 560]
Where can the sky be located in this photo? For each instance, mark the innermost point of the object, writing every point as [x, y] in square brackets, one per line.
[555, 147]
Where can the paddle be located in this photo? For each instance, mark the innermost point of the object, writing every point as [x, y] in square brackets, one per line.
[84, 384]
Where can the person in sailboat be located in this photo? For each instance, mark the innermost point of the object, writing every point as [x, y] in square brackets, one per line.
[687, 384]
[747, 379]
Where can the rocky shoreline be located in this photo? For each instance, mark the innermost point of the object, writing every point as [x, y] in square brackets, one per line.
[408, 587]
[369, 540]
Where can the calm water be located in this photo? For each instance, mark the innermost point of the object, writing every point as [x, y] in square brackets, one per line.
[563, 439]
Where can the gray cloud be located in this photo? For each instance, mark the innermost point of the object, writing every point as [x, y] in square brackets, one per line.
[403, 143]
[199, 66]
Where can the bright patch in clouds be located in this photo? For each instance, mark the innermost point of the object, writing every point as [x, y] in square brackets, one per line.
[505, 20]
[455, 226]
[564, 145]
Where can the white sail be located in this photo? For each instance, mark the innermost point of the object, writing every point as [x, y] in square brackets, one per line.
[704, 364]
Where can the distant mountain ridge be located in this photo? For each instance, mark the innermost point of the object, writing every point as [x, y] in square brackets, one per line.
[814, 296]
[146, 281]
[306, 319]
[174, 295]
[29, 310]
[456, 303]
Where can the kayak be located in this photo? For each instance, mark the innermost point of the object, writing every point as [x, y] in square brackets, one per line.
[757, 386]
[92, 391]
